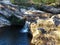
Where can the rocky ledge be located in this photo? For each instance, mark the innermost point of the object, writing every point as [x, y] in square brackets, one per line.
[46, 31]
[50, 9]
[10, 15]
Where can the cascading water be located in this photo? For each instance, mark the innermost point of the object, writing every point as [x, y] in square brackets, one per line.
[25, 28]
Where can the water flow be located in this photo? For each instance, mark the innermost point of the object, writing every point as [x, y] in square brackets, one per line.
[6, 1]
[25, 28]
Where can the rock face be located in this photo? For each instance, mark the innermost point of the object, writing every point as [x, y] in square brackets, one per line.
[50, 9]
[10, 15]
[4, 22]
[46, 31]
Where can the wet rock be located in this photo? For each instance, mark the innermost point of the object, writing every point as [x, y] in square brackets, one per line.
[57, 33]
[33, 12]
[50, 9]
[42, 30]
[4, 22]
[12, 15]
[9, 9]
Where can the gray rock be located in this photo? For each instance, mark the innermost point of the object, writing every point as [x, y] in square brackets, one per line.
[50, 9]
[56, 20]
[10, 15]
[4, 22]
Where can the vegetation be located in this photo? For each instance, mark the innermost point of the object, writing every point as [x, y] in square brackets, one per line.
[34, 1]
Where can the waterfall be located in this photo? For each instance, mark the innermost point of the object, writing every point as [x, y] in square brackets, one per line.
[25, 28]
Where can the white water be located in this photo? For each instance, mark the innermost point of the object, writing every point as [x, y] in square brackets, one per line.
[25, 28]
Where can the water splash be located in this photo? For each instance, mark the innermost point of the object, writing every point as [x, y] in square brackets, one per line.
[25, 28]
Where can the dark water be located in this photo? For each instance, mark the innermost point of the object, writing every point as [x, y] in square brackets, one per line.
[12, 36]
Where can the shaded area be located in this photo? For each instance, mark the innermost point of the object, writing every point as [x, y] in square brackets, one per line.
[12, 36]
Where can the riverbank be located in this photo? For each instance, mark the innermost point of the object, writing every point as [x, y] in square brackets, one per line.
[40, 26]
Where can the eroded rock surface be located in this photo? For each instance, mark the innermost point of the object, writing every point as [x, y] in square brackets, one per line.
[10, 15]
[45, 31]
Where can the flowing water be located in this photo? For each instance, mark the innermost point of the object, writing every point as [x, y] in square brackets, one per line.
[25, 28]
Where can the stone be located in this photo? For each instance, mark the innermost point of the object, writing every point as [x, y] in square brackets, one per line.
[11, 14]
[4, 22]
[45, 32]
[50, 9]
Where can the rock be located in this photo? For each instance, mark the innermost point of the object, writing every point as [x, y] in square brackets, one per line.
[4, 22]
[33, 12]
[58, 15]
[45, 15]
[45, 31]
[37, 12]
[50, 9]
[56, 19]
[11, 15]
[9, 10]
[56, 33]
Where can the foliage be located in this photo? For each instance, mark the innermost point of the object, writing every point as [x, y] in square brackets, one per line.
[35, 1]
